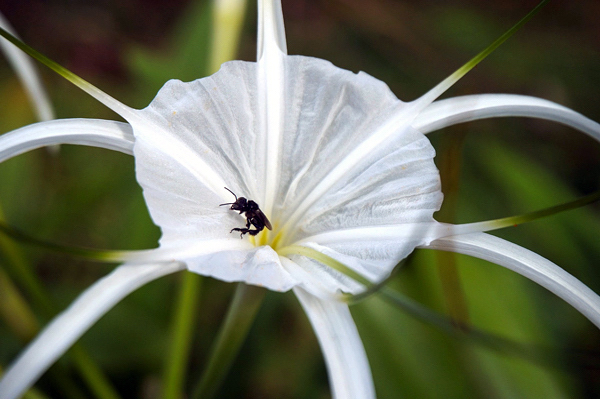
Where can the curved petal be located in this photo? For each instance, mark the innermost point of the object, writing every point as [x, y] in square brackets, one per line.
[238, 260]
[320, 280]
[424, 232]
[229, 259]
[345, 357]
[28, 75]
[66, 328]
[271, 76]
[370, 251]
[92, 132]
[375, 162]
[528, 264]
[271, 30]
[395, 183]
[468, 108]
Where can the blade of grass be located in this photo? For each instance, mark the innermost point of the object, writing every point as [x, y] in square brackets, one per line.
[444, 85]
[181, 336]
[242, 312]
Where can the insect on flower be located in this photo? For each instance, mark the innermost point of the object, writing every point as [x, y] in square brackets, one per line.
[254, 216]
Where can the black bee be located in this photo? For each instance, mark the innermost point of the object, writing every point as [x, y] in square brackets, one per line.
[254, 216]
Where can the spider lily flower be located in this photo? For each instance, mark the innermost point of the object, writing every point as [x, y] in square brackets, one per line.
[340, 166]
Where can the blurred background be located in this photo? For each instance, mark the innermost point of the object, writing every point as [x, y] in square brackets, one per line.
[89, 197]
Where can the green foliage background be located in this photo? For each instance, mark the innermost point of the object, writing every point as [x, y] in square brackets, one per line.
[89, 197]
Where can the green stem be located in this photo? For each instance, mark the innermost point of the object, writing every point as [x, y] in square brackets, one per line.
[444, 85]
[181, 336]
[84, 253]
[531, 216]
[93, 376]
[84, 85]
[22, 273]
[449, 165]
[15, 311]
[231, 336]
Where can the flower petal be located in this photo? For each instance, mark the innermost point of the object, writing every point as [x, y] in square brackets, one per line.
[371, 251]
[528, 264]
[66, 328]
[319, 280]
[28, 74]
[271, 54]
[254, 265]
[394, 184]
[92, 132]
[271, 30]
[229, 259]
[360, 162]
[345, 357]
[468, 108]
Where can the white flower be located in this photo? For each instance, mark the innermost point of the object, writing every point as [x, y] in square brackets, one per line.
[337, 163]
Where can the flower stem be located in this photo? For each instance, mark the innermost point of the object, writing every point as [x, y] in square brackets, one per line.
[449, 164]
[444, 85]
[15, 311]
[531, 216]
[240, 315]
[118, 107]
[93, 376]
[181, 336]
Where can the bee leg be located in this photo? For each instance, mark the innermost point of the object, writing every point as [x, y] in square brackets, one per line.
[242, 231]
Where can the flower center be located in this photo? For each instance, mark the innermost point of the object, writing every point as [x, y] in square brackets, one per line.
[271, 238]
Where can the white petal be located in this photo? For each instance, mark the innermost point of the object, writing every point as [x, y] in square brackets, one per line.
[272, 107]
[92, 132]
[319, 280]
[371, 251]
[271, 51]
[66, 328]
[205, 130]
[373, 167]
[28, 74]
[271, 31]
[468, 108]
[528, 264]
[425, 231]
[230, 259]
[394, 184]
[345, 357]
[257, 266]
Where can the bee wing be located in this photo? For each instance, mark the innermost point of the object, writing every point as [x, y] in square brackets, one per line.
[263, 217]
